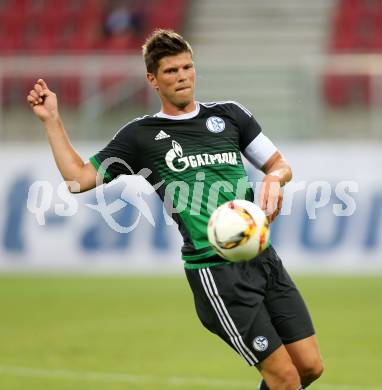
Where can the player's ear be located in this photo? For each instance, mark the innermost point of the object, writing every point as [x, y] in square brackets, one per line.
[152, 80]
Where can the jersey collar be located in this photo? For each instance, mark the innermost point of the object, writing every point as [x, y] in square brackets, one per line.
[189, 115]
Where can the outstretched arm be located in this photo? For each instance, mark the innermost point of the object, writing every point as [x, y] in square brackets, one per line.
[72, 168]
[277, 174]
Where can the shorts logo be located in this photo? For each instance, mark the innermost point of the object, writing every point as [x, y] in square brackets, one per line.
[260, 343]
[215, 124]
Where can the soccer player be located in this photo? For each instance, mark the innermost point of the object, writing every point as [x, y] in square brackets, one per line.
[254, 306]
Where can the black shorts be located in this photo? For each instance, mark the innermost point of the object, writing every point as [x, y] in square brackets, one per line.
[254, 305]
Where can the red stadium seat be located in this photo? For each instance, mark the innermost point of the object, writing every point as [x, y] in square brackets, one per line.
[70, 91]
[357, 28]
[341, 90]
[73, 26]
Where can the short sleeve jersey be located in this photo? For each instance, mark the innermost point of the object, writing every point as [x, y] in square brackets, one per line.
[197, 158]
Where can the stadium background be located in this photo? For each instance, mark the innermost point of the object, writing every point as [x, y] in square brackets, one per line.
[85, 307]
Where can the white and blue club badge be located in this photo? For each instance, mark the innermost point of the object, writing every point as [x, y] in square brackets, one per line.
[260, 343]
[215, 124]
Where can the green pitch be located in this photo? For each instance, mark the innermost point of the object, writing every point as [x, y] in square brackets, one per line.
[142, 333]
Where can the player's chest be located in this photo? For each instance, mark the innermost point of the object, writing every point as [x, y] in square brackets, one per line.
[188, 136]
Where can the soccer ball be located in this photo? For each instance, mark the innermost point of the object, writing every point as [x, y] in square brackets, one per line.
[238, 230]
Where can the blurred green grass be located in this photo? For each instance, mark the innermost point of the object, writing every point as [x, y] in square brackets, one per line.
[59, 332]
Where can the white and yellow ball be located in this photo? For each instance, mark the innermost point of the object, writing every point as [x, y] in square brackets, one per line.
[238, 230]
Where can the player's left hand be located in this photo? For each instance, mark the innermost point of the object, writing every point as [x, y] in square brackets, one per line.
[271, 197]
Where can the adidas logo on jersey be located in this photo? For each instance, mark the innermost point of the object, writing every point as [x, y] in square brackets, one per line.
[161, 135]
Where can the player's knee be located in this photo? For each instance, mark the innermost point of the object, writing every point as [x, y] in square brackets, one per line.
[286, 379]
[311, 372]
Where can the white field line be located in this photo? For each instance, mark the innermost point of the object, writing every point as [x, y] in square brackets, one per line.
[124, 378]
[109, 377]
[342, 387]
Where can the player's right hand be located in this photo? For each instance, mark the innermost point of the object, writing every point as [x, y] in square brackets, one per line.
[43, 101]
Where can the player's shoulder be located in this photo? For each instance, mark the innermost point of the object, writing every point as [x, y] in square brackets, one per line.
[129, 129]
[227, 106]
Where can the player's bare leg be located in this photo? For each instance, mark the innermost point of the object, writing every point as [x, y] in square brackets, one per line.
[279, 372]
[306, 357]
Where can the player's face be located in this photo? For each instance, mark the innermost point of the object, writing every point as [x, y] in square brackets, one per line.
[175, 80]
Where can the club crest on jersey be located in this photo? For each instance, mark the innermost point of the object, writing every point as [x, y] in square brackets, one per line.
[178, 163]
[215, 124]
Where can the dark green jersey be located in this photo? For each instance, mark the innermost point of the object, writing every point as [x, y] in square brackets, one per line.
[197, 159]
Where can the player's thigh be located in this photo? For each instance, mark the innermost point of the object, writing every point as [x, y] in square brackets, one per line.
[285, 304]
[278, 369]
[306, 356]
[230, 304]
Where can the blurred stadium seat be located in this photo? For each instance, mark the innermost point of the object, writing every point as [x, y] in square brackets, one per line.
[43, 27]
[357, 28]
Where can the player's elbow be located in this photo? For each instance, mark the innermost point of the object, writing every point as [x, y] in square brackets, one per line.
[81, 180]
[73, 186]
[77, 186]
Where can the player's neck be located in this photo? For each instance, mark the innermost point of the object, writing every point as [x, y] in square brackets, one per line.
[169, 109]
